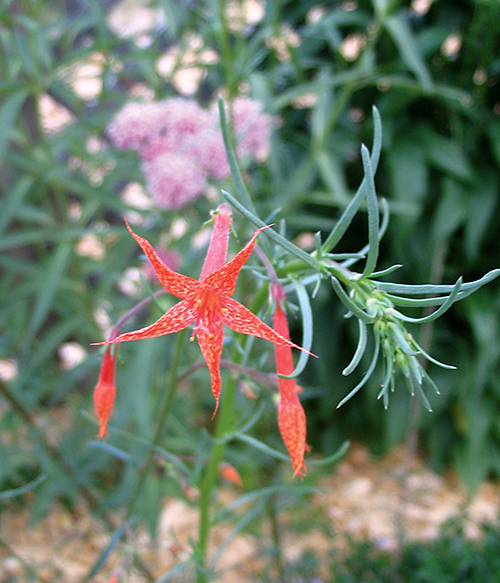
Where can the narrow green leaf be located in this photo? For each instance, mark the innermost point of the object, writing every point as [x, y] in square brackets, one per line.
[347, 216]
[401, 341]
[383, 228]
[430, 288]
[103, 557]
[450, 300]
[307, 328]
[348, 303]
[335, 457]
[367, 375]
[451, 210]
[320, 85]
[430, 381]
[253, 419]
[403, 38]
[8, 115]
[248, 517]
[360, 349]
[266, 493]
[373, 218]
[434, 360]
[377, 139]
[50, 341]
[11, 203]
[111, 449]
[333, 177]
[31, 236]
[175, 571]
[386, 271]
[25, 52]
[243, 194]
[48, 287]
[389, 367]
[290, 247]
[23, 489]
[481, 212]
[446, 155]
[274, 453]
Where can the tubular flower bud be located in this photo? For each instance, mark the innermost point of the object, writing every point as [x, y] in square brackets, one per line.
[105, 390]
[291, 416]
[231, 474]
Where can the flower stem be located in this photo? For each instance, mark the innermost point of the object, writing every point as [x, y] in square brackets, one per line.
[159, 427]
[224, 422]
[276, 536]
[211, 473]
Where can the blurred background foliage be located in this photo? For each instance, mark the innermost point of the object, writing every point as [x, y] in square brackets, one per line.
[66, 68]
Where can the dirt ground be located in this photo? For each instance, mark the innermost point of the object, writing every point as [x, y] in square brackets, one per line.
[364, 498]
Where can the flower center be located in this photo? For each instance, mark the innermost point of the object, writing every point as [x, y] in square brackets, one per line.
[207, 303]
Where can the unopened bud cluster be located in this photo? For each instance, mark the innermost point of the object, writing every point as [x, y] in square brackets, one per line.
[399, 349]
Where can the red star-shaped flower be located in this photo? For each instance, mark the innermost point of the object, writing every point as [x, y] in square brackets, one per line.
[206, 302]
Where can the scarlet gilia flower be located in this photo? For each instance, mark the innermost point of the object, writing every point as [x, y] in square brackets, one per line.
[291, 416]
[105, 390]
[206, 302]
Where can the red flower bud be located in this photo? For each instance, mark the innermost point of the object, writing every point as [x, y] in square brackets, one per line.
[104, 392]
[230, 473]
[291, 416]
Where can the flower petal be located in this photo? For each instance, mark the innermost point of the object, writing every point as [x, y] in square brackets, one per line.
[217, 250]
[176, 284]
[210, 342]
[176, 319]
[223, 280]
[105, 390]
[242, 320]
[292, 424]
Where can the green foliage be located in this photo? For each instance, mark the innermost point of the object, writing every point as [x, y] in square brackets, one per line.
[438, 167]
[451, 558]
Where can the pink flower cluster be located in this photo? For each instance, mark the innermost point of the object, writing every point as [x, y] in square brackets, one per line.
[181, 147]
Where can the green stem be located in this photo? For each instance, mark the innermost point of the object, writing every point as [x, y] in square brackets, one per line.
[226, 51]
[211, 473]
[276, 536]
[224, 423]
[159, 427]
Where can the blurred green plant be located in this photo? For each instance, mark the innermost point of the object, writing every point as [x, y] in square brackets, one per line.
[451, 557]
[65, 256]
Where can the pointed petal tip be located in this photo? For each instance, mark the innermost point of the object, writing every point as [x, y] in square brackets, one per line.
[301, 471]
[103, 432]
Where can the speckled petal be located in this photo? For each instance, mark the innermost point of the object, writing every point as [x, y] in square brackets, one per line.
[242, 320]
[211, 342]
[292, 424]
[291, 416]
[176, 284]
[176, 319]
[217, 250]
[223, 280]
